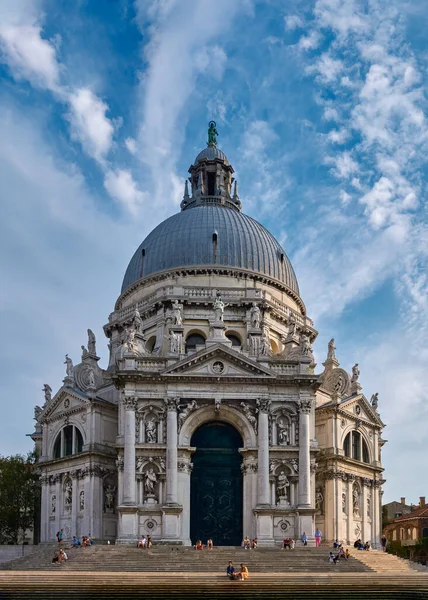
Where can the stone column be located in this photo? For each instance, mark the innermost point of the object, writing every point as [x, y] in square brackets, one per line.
[350, 508]
[129, 484]
[45, 509]
[74, 500]
[263, 495]
[59, 502]
[305, 453]
[171, 451]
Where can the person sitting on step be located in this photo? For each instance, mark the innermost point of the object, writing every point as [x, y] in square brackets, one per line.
[247, 543]
[142, 543]
[149, 542]
[243, 573]
[347, 554]
[304, 539]
[199, 545]
[286, 543]
[76, 542]
[62, 556]
[254, 544]
[336, 544]
[292, 544]
[55, 558]
[333, 559]
[230, 571]
[210, 544]
[367, 546]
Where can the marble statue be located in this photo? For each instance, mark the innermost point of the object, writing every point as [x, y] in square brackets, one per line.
[319, 501]
[37, 412]
[138, 322]
[48, 393]
[374, 401]
[150, 432]
[85, 353]
[129, 340]
[53, 504]
[282, 433]
[355, 502]
[150, 480]
[91, 343]
[331, 349]
[264, 344]
[162, 464]
[255, 316]
[219, 307]
[344, 502]
[139, 462]
[177, 312]
[109, 491]
[355, 373]
[186, 412]
[217, 404]
[282, 485]
[68, 493]
[82, 500]
[306, 346]
[174, 342]
[69, 369]
[292, 325]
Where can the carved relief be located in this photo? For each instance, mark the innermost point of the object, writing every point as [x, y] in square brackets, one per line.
[109, 497]
[82, 500]
[68, 494]
[337, 382]
[185, 412]
[344, 503]
[356, 500]
[319, 500]
[250, 415]
[119, 463]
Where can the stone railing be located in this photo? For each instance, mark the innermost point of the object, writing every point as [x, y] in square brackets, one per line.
[282, 369]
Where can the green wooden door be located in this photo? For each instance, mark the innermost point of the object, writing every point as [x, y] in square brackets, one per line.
[216, 485]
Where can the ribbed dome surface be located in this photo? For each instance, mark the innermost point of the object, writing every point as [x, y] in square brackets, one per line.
[211, 153]
[186, 240]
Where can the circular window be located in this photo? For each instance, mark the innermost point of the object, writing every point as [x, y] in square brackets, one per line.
[218, 367]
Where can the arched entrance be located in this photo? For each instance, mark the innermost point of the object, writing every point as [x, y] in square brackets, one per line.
[216, 485]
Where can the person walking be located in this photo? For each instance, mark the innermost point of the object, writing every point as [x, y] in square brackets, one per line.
[318, 537]
[383, 543]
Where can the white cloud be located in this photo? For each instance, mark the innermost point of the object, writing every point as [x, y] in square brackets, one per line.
[293, 22]
[131, 145]
[89, 124]
[326, 68]
[338, 136]
[344, 165]
[122, 187]
[345, 198]
[309, 42]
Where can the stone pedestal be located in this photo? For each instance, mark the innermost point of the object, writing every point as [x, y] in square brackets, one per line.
[217, 334]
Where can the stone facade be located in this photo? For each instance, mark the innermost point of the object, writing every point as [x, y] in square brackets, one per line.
[208, 344]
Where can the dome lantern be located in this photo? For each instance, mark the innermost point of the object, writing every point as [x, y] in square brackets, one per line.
[211, 177]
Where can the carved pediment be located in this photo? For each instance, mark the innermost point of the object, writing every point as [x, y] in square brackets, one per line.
[218, 361]
[359, 408]
[65, 402]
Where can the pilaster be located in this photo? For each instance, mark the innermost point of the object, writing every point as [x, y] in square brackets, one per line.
[129, 483]
[305, 409]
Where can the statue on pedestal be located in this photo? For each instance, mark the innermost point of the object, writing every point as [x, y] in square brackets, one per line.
[281, 486]
[69, 369]
[355, 373]
[91, 343]
[138, 322]
[174, 342]
[331, 349]
[219, 307]
[292, 325]
[255, 316]
[150, 432]
[374, 401]
[150, 481]
[48, 393]
[177, 312]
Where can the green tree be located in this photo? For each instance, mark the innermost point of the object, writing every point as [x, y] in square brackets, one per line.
[19, 497]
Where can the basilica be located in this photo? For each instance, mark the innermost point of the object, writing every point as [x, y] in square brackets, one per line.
[211, 419]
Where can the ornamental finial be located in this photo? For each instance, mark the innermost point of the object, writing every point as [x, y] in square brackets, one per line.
[212, 133]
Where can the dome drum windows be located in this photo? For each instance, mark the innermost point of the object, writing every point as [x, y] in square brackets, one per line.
[356, 447]
[69, 441]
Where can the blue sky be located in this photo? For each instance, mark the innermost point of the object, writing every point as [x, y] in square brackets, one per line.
[321, 108]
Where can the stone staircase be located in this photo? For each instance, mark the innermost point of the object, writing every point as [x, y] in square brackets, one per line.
[382, 562]
[126, 572]
[187, 560]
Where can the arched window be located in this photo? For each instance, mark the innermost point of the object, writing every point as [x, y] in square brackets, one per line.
[69, 441]
[354, 446]
[193, 340]
[236, 342]
[425, 532]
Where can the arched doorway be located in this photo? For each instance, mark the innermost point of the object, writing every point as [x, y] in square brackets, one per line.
[216, 485]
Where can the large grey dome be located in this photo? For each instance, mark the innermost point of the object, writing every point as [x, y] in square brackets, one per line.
[186, 240]
[211, 153]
